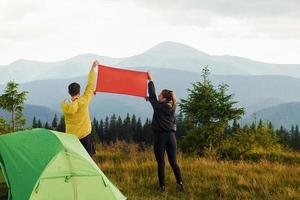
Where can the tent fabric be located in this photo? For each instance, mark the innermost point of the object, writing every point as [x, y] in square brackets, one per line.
[24, 158]
[46, 165]
[121, 81]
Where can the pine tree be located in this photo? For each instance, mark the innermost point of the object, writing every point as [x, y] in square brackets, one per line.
[235, 126]
[260, 124]
[46, 126]
[106, 137]
[182, 125]
[209, 109]
[297, 138]
[34, 123]
[246, 128]
[13, 102]
[61, 125]
[100, 131]
[286, 137]
[270, 125]
[281, 131]
[54, 123]
[127, 128]
[253, 126]
[139, 131]
[206, 104]
[95, 125]
[119, 128]
[292, 136]
[39, 124]
[147, 132]
[133, 132]
[113, 127]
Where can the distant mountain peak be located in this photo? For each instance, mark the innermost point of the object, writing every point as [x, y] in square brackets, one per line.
[168, 54]
[84, 56]
[169, 47]
[21, 61]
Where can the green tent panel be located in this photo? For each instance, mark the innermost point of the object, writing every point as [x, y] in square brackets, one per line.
[41, 164]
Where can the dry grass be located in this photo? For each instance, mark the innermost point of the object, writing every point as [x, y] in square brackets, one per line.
[134, 172]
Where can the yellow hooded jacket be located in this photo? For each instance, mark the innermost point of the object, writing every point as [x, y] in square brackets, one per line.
[76, 113]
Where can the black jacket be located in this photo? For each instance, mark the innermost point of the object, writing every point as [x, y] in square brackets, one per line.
[164, 120]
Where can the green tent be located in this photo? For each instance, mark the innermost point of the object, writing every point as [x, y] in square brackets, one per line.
[41, 164]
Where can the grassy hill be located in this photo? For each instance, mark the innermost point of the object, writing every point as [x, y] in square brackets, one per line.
[134, 172]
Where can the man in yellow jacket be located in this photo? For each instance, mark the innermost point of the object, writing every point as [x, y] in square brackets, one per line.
[76, 110]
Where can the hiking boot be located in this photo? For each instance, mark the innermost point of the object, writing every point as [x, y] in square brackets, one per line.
[181, 187]
[162, 189]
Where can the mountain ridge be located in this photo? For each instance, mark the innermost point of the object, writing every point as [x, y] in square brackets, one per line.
[170, 55]
[253, 92]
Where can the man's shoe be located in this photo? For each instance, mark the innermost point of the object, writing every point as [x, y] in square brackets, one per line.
[181, 187]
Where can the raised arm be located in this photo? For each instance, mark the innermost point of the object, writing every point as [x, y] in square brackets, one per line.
[151, 92]
[89, 90]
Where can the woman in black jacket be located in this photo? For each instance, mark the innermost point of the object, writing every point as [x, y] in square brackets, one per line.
[164, 128]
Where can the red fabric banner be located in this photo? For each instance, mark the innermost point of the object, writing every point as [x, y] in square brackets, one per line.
[121, 81]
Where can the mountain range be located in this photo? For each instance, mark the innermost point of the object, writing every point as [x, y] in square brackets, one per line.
[168, 55]
[30, 111]
[256, 85]
[286, 114]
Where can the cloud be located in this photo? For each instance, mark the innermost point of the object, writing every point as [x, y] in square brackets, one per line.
[281, 28]
[121, 28]
[22, 32]
[275, 19]
[16, 10]
[19, 21]
[228, 8]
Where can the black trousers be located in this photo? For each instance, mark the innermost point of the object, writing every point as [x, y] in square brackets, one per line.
[88, 144]
[166, 142]
[4, 198]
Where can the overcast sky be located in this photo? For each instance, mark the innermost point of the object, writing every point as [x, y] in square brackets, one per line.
[53, 30]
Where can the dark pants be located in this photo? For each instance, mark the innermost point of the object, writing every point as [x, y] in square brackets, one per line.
[88, 144]
[166, 142]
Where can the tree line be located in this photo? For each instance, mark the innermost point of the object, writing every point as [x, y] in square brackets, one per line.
[115, 128]
[132, 129]
[289, 138]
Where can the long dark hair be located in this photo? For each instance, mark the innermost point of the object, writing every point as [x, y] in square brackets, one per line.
[170, 96]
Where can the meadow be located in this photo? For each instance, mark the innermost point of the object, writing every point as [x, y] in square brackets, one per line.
[133, 170]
